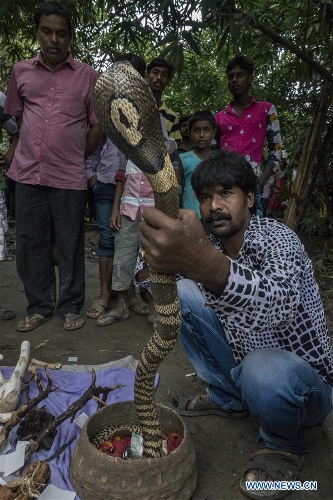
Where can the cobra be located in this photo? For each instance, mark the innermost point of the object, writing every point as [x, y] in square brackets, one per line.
[128, 113]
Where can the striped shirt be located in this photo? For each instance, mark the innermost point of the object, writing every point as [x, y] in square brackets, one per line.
[171, 121]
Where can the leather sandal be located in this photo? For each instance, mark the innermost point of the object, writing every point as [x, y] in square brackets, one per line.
[201, 405]
[73, 321]
[113, 316]
[31, 322]
[279, 465]
[100, 306]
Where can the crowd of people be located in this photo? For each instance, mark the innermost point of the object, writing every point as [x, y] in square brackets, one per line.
[253, 323]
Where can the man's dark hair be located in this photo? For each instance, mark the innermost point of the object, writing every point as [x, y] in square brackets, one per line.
[203, 115]
[224, 168]
[160, 63]
[49, 8]
[137, 62]
[183, 118]
[241, 61]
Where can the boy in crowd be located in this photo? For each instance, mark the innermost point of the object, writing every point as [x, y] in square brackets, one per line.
[185, 144]
[158, 76]
[102, 167]
[202, 129]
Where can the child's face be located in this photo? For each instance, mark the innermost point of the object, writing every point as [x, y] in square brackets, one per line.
[202, 133]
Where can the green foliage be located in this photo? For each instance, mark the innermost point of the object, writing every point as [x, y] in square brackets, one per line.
[290, 42]
[315, 220]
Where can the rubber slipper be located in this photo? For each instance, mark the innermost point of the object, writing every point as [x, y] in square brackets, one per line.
[73, 322]
[112, 317]
[201, 405]
[279, 465]
[100, 306]
[31, 322]
[6, 314]
[138, 306]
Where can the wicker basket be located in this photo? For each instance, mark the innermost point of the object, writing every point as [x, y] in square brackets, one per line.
[97, 476]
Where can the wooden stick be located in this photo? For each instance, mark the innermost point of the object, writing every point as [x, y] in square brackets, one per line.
[91, 392]
[10, 390]
[42, 364]
[31, 403]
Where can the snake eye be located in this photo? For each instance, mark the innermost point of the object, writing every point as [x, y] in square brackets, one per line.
[125, 119]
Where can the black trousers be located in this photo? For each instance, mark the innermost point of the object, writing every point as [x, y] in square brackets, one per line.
[10, 197]
[45, 215]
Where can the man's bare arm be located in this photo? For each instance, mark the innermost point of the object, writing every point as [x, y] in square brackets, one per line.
[181, 247]
[94, 136]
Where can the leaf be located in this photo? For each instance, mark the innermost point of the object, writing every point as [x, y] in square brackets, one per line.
[169, 38]
[187, 35]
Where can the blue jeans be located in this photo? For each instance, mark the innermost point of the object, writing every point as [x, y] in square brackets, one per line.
[278, 387]
[104, 195]
[258, 200]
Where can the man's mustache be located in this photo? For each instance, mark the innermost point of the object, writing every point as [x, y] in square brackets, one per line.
[217, 216]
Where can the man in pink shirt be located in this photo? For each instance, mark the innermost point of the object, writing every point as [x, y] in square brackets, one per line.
[51, 97]
[246, 124]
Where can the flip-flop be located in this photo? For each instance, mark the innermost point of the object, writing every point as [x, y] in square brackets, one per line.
[279, 465]
[26, 326]
[112, 317]
[6, 314]
[73, 322]
[138, 306]
[100, 306]
[201, 405]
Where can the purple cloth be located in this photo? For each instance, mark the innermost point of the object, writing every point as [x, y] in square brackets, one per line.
[71, 386]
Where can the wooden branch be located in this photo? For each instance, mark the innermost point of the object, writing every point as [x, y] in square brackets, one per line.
[35, 363]
[91, 392]
[10, 389]
[30, 404]
[294, 49]
[310, 148]
[287, 43]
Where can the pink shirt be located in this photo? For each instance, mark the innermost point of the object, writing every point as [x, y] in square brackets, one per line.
[248, 133]
[56, 107]
[138, 193]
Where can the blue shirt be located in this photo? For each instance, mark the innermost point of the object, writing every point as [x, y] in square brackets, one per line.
[189, 200]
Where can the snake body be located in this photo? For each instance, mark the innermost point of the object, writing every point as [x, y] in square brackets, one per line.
[128, 113]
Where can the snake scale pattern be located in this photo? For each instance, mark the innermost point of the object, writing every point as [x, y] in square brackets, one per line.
[128, 113]
[107, 432]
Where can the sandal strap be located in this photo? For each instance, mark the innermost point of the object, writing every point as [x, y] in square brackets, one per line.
[201, 402]
[278, 464]
[37, 316]
[293, 457]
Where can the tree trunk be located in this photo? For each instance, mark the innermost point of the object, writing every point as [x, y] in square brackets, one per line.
[310, 149]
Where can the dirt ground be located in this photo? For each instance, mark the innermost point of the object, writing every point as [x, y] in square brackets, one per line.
[222, 445]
